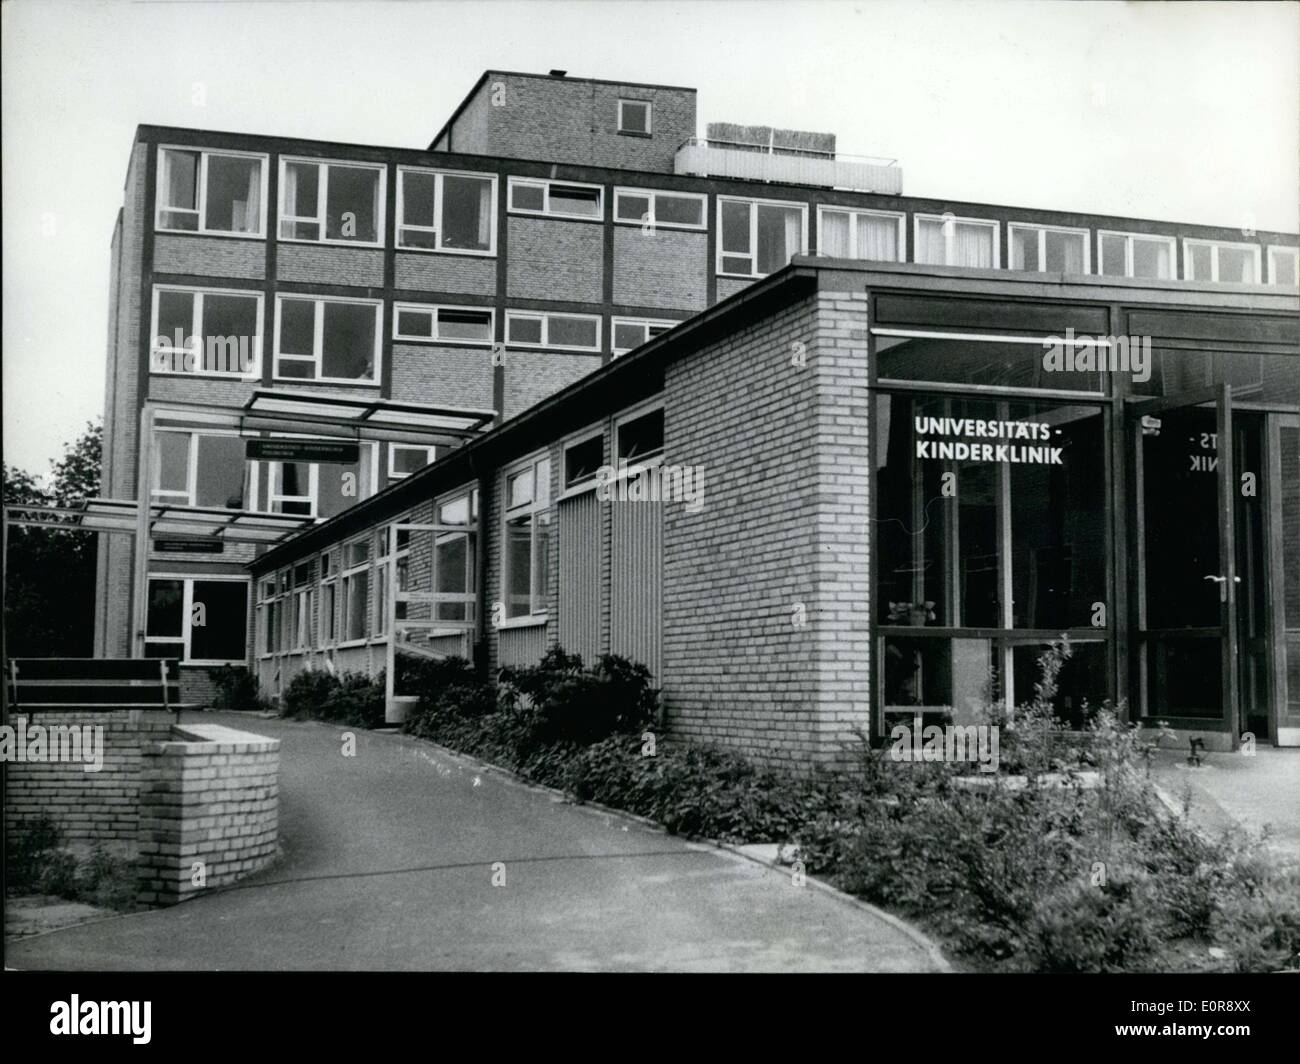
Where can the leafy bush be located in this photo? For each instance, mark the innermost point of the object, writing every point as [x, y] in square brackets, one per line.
[345, 698]
[450, 686]
[1080, 927]
[236, 689]
[37, 863]
[306, 694]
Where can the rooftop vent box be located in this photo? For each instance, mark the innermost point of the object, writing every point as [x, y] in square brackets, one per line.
[769, 139]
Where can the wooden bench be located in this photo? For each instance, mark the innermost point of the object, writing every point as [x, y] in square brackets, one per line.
[66, 684]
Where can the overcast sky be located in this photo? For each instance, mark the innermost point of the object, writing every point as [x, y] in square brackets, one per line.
[1180, 111]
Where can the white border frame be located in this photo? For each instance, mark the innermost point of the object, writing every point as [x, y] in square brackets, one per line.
[322, 203]
[166, 496]
[432, 309]
[1128, 253]
[439, 175]
[617, 320]
[620, 419]
[591, 432]
[430, 451]
[899, 216]
[187, 615]
[202, 198]
[532, 508]
[754, 202]
[649, 117]
[1190, 242]
[545, 344]
[1042, 231]
[949, 238]
[1294, 255]
[546, 211]
[196, 329]
[623, 191]
[316, 358]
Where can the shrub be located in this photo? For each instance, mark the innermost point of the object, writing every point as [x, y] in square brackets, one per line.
[306, 694]
[345, 698]
[236, 689]
[448, 685]
[1081, 927]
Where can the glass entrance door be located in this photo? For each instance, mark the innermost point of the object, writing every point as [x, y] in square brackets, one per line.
[1184, 560]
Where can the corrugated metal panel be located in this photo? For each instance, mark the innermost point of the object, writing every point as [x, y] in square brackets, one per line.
[579, 586]
[521, 646]
[636, 582]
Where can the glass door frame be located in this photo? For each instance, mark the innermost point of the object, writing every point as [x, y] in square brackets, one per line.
[1281, 719]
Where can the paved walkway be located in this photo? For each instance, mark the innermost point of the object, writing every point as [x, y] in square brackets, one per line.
[1231, 791]
[388, 864]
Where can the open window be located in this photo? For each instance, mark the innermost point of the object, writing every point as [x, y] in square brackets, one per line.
[331, 202]
[211, 192]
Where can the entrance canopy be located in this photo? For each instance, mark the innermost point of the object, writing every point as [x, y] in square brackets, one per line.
[164, 520]
[366, 418]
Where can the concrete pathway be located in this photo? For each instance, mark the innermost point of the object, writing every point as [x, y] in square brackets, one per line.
[389, 864]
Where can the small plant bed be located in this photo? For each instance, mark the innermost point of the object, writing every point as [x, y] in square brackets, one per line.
[43, 871]
[340, 698]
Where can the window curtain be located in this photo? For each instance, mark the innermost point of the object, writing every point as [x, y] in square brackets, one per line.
[877, 238]
[253, 204]
[1164, 264]
[1071, 254]
[930, 243]
[291, 190]
[973, 246]
[835, 235]
[485, 214]
[793, 236]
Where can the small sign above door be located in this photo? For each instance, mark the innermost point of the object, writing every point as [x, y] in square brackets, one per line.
[303, 450]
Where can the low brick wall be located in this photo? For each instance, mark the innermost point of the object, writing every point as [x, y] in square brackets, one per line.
[209, 810]
[88, 807]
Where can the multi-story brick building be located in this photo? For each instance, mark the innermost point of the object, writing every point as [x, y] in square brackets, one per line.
[409, 297]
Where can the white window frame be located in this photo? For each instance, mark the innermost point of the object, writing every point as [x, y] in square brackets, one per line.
[950, 223]
[545, 317]
[1214, 246]
[900, 217]
[432, 309]
[650, 323]
[318, 340]
[547, 211]
[187, 614]
[347, 576]
[1282, 249]
[369, 455]
[649, 117]
[622, 418]
[303, 603]
[437, 228]
[201, 200]
[566, 445]
[324, 636]
[429, 451]
[754, 203]
[322, 200]
[189, 497]
[652, 194]
[539, 511]
[156, 350]
[1129, 237]
[1042, 231]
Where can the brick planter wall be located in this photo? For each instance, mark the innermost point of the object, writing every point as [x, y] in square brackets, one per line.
[209, 797]
[88, 807]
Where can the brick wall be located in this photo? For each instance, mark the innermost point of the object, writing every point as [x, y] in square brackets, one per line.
[533, 375]
[551, 259]
[453, 376]
[210, 256]
[729, 286]
[330, 264]
[88, 807]
[473, 274]
[661, 268]
[209, 796]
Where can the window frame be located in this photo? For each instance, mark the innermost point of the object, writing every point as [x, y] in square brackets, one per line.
[347, 574]
[577, 439]
[322, 202]
[1042, 231]
[369, 456]
[318, 340]
[196, 330]
[201, 198]
[650, 323]
[624, 417]
[1190, 242]
[950, 241]
[545, 317]
[622, 192]
[535, 510]
[166, 496]
[547, 211]
[185, 640]
[1129, 237]
[900, 218]
[327, 622]
[430, 453]
[439, 174]
[1289, 250]
[433, 309]
[649, 117]
[754, 203]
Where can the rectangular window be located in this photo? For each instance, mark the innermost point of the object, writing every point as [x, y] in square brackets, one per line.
[648, 207]
[527, 538]
[461, 325]
[405, 459]
[634, 116]
[192, 469]
[442, 211]
[1136, 255]
[211, 192]
[327, 339]
[1042, 249]
[758, 237]
[331, 202]
[356, 588]
[942, 240]
[1207, 260]
[579, 332]
[197, 620]
[640, 437]
[583, 458]
[562, 199]
[205, 332]
[1284, 266]
[318, 489]
[328, 614]
[876, 236]
[630, 333]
